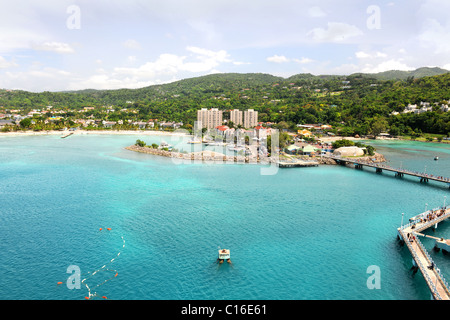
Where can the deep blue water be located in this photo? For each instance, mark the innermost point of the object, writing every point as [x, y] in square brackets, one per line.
[303, 233]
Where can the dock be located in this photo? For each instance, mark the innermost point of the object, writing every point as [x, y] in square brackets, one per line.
[379, 167]
[66, 135]
[421, 260]
[297, 163]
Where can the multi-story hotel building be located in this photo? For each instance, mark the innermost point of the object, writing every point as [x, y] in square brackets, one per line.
[209, 118]
[236, 117]
[250, 118]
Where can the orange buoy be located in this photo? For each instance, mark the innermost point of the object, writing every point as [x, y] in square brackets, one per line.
[116, 274]
[100, 229]
[104, 297]
[87, 298]
[109, 229]
[59, 283]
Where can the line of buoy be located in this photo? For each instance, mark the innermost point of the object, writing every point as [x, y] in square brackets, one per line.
[103, 268]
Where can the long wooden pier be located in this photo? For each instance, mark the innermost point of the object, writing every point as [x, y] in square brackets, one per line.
[409, 233]
[379, 167]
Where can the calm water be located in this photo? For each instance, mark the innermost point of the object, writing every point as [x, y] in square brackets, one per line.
[304, 233]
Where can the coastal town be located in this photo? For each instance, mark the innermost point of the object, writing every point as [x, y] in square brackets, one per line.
[231, 142]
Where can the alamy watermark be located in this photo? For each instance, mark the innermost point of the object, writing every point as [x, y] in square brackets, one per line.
[232, 146]
[74, 280]
[73, 21]
[374, 280]
[373, 22]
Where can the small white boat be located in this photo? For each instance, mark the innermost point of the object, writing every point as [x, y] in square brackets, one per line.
[193, 141]
[436, 158]
[165, 145]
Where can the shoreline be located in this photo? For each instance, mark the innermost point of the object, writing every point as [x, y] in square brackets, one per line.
[88, 132]
[171, 133]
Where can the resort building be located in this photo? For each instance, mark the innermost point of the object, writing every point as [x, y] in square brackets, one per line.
[250, 118]
[209, 118]
[236, 117]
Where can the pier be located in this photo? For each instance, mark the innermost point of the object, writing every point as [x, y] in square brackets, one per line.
[421, 260]
[297, 163]
[66, 135]
[424, 177]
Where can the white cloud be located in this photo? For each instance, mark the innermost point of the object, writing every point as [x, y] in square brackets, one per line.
[240, 63]
[6, 64]
[335, 32]
[386, 66]
[364, 55]
[131, 59]
[103, 81]
[435, 36]
[277, 59]
[132, 44]
[58, 47]
[171, 65]
[37, 79]
[316, 12]
[304, 60]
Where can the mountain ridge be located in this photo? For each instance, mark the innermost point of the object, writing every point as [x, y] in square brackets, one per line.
[266, 78]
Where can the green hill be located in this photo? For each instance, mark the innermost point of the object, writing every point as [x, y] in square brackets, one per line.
[356, 103]
[403, 75]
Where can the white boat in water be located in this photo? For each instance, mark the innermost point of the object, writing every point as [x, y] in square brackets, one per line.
[165, 145]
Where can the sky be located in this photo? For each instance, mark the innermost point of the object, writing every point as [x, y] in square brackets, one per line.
[58, 45]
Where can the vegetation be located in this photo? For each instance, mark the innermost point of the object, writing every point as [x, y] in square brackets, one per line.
[368, 149]
[359, 104]
[140, 143]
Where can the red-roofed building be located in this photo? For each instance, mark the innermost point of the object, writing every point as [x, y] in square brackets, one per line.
[222, 128]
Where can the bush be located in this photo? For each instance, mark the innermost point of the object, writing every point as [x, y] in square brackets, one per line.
[342, 143]
[140, 143]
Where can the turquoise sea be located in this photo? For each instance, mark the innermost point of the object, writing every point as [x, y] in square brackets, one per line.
[300, 234]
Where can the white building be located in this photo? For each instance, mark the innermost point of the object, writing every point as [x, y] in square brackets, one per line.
[209, 118]
[236, 117]
[250, 118]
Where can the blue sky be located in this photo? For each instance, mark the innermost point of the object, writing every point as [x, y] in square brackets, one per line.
[58, 45]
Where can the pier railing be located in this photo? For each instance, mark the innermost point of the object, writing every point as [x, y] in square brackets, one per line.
[410, 227]
[416, 258]
[431, 222]
[438, 271]
[424, 176]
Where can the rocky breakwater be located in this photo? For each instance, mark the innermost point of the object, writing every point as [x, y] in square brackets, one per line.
[205, 156]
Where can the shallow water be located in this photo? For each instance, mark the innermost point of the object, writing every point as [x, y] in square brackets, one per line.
[302, 233]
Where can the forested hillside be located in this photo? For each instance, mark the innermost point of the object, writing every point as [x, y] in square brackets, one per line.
[357, 104]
